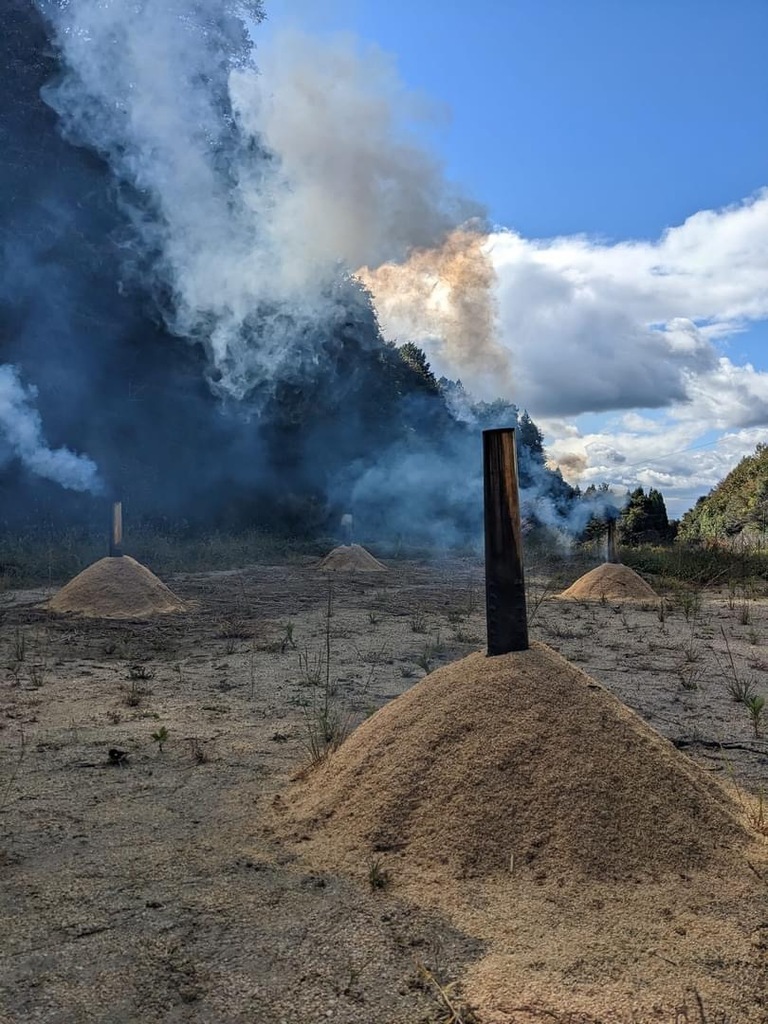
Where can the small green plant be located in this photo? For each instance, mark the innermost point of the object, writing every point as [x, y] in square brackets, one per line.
[465, 636]
[378, 876]
[406, 671]
[19, 645]
[745, 613]
[160, 737]
[418, 621]
[326, 729]
[197, 750]
[757, 814]
[691, 650]
[690, 603]
[311, 668]
[234, 629]
[424, 660]
[373, 618]
[134, 694]
[37, 674]
[661, 611]
[755, 705]
[287, 639]
[739, 688]
[140, 672]
[690, 677]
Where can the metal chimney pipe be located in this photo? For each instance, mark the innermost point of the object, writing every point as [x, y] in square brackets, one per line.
[506, 615]
[116, 535]
[612, 545]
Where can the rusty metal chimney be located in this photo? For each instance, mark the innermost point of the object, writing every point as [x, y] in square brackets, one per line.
[612, 554]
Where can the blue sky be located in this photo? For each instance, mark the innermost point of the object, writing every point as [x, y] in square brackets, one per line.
[618, 121]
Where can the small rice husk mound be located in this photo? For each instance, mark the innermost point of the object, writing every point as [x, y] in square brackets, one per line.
[521, 756]
[116, 588]
[350, 558]
[613, 581]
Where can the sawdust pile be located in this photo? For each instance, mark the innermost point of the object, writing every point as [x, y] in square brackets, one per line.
[351, 558]
[521, 757]
[116, 588]
[613, 581]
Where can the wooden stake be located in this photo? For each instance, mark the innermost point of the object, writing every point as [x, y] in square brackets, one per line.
[504, 580]
[612, 555]
[116, 537]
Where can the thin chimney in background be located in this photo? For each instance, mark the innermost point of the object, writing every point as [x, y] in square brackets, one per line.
[116, 535]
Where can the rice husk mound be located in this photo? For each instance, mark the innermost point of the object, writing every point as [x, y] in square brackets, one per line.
[613, 581]
[606, 873]
[519, 756]
[351, 558]
[116, 588]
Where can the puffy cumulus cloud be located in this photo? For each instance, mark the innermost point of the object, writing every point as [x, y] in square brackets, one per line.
[597, 326]
[687, 463]
[727, 396]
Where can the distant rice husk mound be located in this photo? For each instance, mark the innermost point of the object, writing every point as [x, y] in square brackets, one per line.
[613, 581]
[351, 558]
[521, 756]
[116, 588]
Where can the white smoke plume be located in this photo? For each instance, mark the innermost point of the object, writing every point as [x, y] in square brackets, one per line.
[264, 186]
[22, 431]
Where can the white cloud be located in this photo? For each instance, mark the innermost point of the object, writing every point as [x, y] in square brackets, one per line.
[596, 326]
[626, 327]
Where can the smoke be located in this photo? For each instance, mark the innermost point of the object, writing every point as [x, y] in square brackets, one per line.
[22, 431]
[572, 464]
[254, 190]
[197, 281]
[443, 298]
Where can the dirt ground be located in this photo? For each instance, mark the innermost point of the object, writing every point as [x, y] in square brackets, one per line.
[147, 884]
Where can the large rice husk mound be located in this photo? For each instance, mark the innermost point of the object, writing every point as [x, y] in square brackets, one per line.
[351, 558]
[518, 756]
[116, 588]
[613, 581]
[606, 872]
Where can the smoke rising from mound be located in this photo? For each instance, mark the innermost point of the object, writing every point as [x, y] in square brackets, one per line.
[22, 431]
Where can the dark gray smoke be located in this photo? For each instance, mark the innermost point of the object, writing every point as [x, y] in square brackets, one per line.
[178, 232]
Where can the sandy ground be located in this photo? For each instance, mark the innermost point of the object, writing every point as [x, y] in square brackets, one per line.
[150, 887]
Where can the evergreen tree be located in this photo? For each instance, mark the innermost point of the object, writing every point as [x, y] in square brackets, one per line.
[644, 518]
[531, 437]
